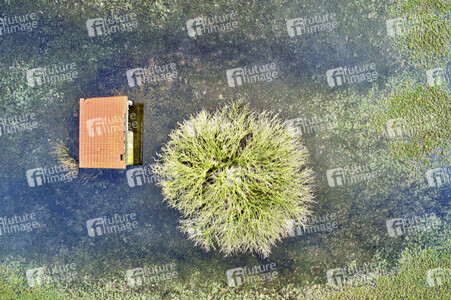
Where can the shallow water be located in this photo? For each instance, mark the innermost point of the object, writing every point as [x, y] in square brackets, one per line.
[300, 90]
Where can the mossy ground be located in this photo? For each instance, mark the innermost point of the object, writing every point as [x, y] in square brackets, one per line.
[408, 280]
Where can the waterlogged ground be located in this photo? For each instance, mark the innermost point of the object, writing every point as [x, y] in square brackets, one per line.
[303, 81]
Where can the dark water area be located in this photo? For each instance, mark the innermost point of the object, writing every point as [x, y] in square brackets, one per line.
[361, 210]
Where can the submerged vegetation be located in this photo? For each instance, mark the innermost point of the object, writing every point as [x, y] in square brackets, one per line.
[409, 277]
[419, 118]
[427, 32]
[419, 111]
[239, 179]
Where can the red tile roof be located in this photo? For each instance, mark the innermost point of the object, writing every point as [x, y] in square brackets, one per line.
[102, 132]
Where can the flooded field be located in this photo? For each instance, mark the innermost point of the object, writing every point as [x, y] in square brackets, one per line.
[324, 67]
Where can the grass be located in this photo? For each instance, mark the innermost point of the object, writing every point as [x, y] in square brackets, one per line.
[424, 114]
[409, 280]
[62, 154]
[423, 110]
[238, 178]
[428, 30]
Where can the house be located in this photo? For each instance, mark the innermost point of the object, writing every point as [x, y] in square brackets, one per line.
[110, 132]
